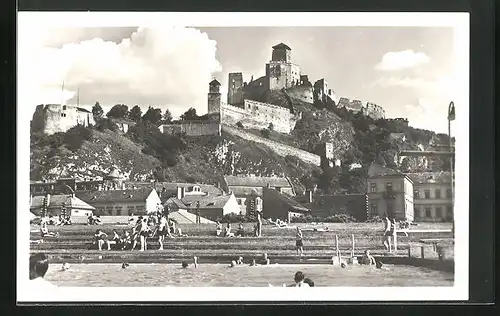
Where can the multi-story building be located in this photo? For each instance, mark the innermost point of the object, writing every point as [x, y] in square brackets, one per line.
[432, 196]
[390, 192]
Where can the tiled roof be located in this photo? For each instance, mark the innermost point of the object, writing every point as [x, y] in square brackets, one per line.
[256, 182]
[246, 191]
[129, 195]
[172, 187]
[184, 217]
[288, 200]
[176, 203]
[206, 202]
[281, 45]
[56, 201]
[378, 170]
[83, 110]
[430, 177]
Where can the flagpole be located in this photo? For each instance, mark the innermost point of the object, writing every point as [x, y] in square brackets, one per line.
[62, 93]
[451, 116]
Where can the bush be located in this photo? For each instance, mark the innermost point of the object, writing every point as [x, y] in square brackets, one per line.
[337, 218]
[235, 218]
[75, 136]
[106, 123]
[239, 125]
[374, 219]
[265, 132]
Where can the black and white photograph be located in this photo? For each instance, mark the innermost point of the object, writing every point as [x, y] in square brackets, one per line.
[232, 156]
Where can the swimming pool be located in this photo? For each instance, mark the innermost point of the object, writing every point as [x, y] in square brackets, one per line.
[141, 275]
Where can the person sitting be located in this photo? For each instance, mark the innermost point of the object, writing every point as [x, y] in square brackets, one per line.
[218, 229]
[239, 261]
[228, 232]
[125, 265]
[101, 238]
[232, 264]
[265, 260]
[256, 230]
[97, 220]
[125, 240]
[60, 221]
[44, 230]
[367, 258]
[185, 265]
[116, 240]
[241, 231]
[90, 220]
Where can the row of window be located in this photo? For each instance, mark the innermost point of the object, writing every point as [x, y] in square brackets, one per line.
[118, 210]
[439, 212]
[416, 194]
[437, 194]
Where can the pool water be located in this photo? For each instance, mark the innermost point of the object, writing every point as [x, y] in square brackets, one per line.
[145, 275]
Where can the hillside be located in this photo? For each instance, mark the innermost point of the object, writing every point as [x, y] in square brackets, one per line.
[145, 154]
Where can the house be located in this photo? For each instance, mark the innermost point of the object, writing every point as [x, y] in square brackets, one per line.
[167, 190]
[280, 205]
[55, 203]
[432, 196]
[207, 206]
[139, 201]
[355, 205]
[178, 211]
[389, 192]
[249, 190]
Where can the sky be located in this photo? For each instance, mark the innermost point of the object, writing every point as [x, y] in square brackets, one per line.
[409, 71]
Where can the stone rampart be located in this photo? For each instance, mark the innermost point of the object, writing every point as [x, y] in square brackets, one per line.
[281, 149]
[192, 128]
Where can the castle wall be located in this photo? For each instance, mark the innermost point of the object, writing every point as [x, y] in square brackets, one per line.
[192, 128]
[60, 118]
[374, 111]
[255, 89]
[258, 115]
[303, 93]
[279, 148]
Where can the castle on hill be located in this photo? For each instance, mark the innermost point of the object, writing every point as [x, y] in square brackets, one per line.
[248, 103]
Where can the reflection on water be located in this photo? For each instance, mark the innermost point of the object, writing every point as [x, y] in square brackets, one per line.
[221, 275]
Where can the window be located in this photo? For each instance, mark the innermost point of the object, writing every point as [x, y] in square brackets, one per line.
[373, 187]
[388, 186]
[416, 194]
[448, 193]
[439, 212]
[438, 193]
[239, 201]
[428, 212]
[64, 107]
[373, 209]
[427, 193]
[416, 211]
[390, 211]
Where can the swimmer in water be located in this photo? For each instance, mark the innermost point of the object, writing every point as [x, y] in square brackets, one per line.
[239, 261]
[253, 263]
[125, 265]
[232, 264]
[185, 265]
[343, 265]
[195, 261]
[65, 266]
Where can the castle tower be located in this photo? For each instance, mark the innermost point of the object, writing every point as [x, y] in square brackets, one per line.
[214, 99]
[235, 89]
[280, 71]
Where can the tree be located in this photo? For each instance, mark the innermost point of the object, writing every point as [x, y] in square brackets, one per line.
[265, 132]
[118, 111]
[135, 114]
[239, 124]
[97, 110]
[152, 116]
[189, 115]
[270, 127]
[167, 117]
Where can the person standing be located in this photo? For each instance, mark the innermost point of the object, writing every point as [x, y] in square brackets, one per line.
[298, 242]
[259, 225]
[386, 239]
[162, 230]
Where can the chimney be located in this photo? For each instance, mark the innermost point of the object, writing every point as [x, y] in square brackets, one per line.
[180, 192]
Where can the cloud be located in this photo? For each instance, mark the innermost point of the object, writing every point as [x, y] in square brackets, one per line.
[405, 59]
[162, 67]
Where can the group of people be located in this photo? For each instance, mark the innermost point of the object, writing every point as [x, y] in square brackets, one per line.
[145, 227]
[94, 220]
[226, 231]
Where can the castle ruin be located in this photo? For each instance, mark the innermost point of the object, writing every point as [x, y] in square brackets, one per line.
[55, 118]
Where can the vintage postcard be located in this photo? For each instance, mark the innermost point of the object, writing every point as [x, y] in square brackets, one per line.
[237, 156]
